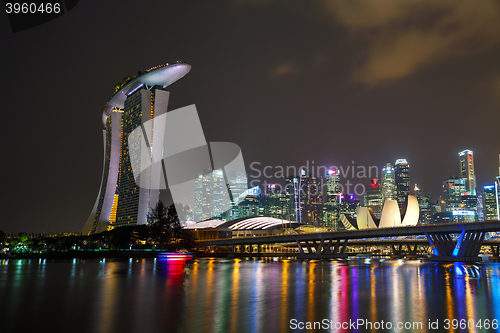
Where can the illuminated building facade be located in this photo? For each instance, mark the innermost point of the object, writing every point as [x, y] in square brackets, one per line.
[425, 206]
[292, 188]
[275, 202]
[402, 175]
[453, 187]
[466, 158]
[490, 202]
[388, 183]
[209, 195]
[137, 197]
[373, 200]
[124, 199]
[331, 209]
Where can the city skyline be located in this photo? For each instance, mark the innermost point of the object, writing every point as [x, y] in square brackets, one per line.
[294, 88]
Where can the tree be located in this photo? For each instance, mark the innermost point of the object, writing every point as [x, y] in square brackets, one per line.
[160, 224]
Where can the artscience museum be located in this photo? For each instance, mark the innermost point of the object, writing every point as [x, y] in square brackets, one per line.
[390, 217]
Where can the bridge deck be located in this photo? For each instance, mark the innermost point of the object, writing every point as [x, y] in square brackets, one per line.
[485, 226]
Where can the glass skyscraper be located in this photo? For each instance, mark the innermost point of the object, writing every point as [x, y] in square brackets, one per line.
[402, 175]
[490, 206]
[388, 183]
[466, 158]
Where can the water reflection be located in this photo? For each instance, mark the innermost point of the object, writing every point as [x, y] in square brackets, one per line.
[241, 295]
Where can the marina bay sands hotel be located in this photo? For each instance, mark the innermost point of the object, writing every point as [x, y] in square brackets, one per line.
[135, 102]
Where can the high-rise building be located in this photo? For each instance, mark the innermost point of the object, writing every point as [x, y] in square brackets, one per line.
[479, 206]
[453, 187]
[209, 195]
[293, 198]
[249, 207]
[373, 200]
[490, 202]
[310, 195]
[402, 174]
[388, 183]
[314, 201]
[136, 200]
[331, 213]
[126, 198]
[466, 158]
[348, 206]
[237, 181]
[425, 205]
[274, 202]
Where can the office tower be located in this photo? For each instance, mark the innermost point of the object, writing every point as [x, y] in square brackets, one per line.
[314, 201]
[490, 206]
[274, 202]
[125, 198]
[373, 199]
[238, 183]
[293, 196]
[425, 205]
[402, 175]
[250, 206]
[453, 187]
[331, 215]
[388, 183]
[311, 198]
[209, 195]
[348, 206]
[304, 183]
[479, 206]
[467, 169]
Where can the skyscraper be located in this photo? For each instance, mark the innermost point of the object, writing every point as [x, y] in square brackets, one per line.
[388, 183]
[425, 206]
[125, 198]
[293, 197]
[373, 199]
[209, 195]
[402, 174]
[274, 202]
[135, 200]
[466, 158]
[490, 203]
[453, 187]
[331, 212]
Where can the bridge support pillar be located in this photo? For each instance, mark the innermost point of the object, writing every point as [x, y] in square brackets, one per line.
[396, 251]
[299, 246]
[321, 249]
[309, 248]
[466, 248]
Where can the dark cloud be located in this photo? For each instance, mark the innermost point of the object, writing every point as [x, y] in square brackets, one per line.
[403, 36]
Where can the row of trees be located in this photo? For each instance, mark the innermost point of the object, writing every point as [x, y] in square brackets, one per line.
[163, 231]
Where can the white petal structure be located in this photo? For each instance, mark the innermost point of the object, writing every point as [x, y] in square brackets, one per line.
[365, 220]
[391, 216]
[348, 222]
[411, 211]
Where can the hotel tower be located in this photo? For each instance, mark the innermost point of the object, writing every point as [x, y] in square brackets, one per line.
[125, 198]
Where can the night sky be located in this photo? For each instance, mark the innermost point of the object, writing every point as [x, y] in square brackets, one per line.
[289, 82]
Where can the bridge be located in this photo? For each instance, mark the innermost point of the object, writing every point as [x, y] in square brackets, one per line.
[333, 244]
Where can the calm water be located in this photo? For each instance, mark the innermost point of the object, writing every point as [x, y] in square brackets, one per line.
[226, 295]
